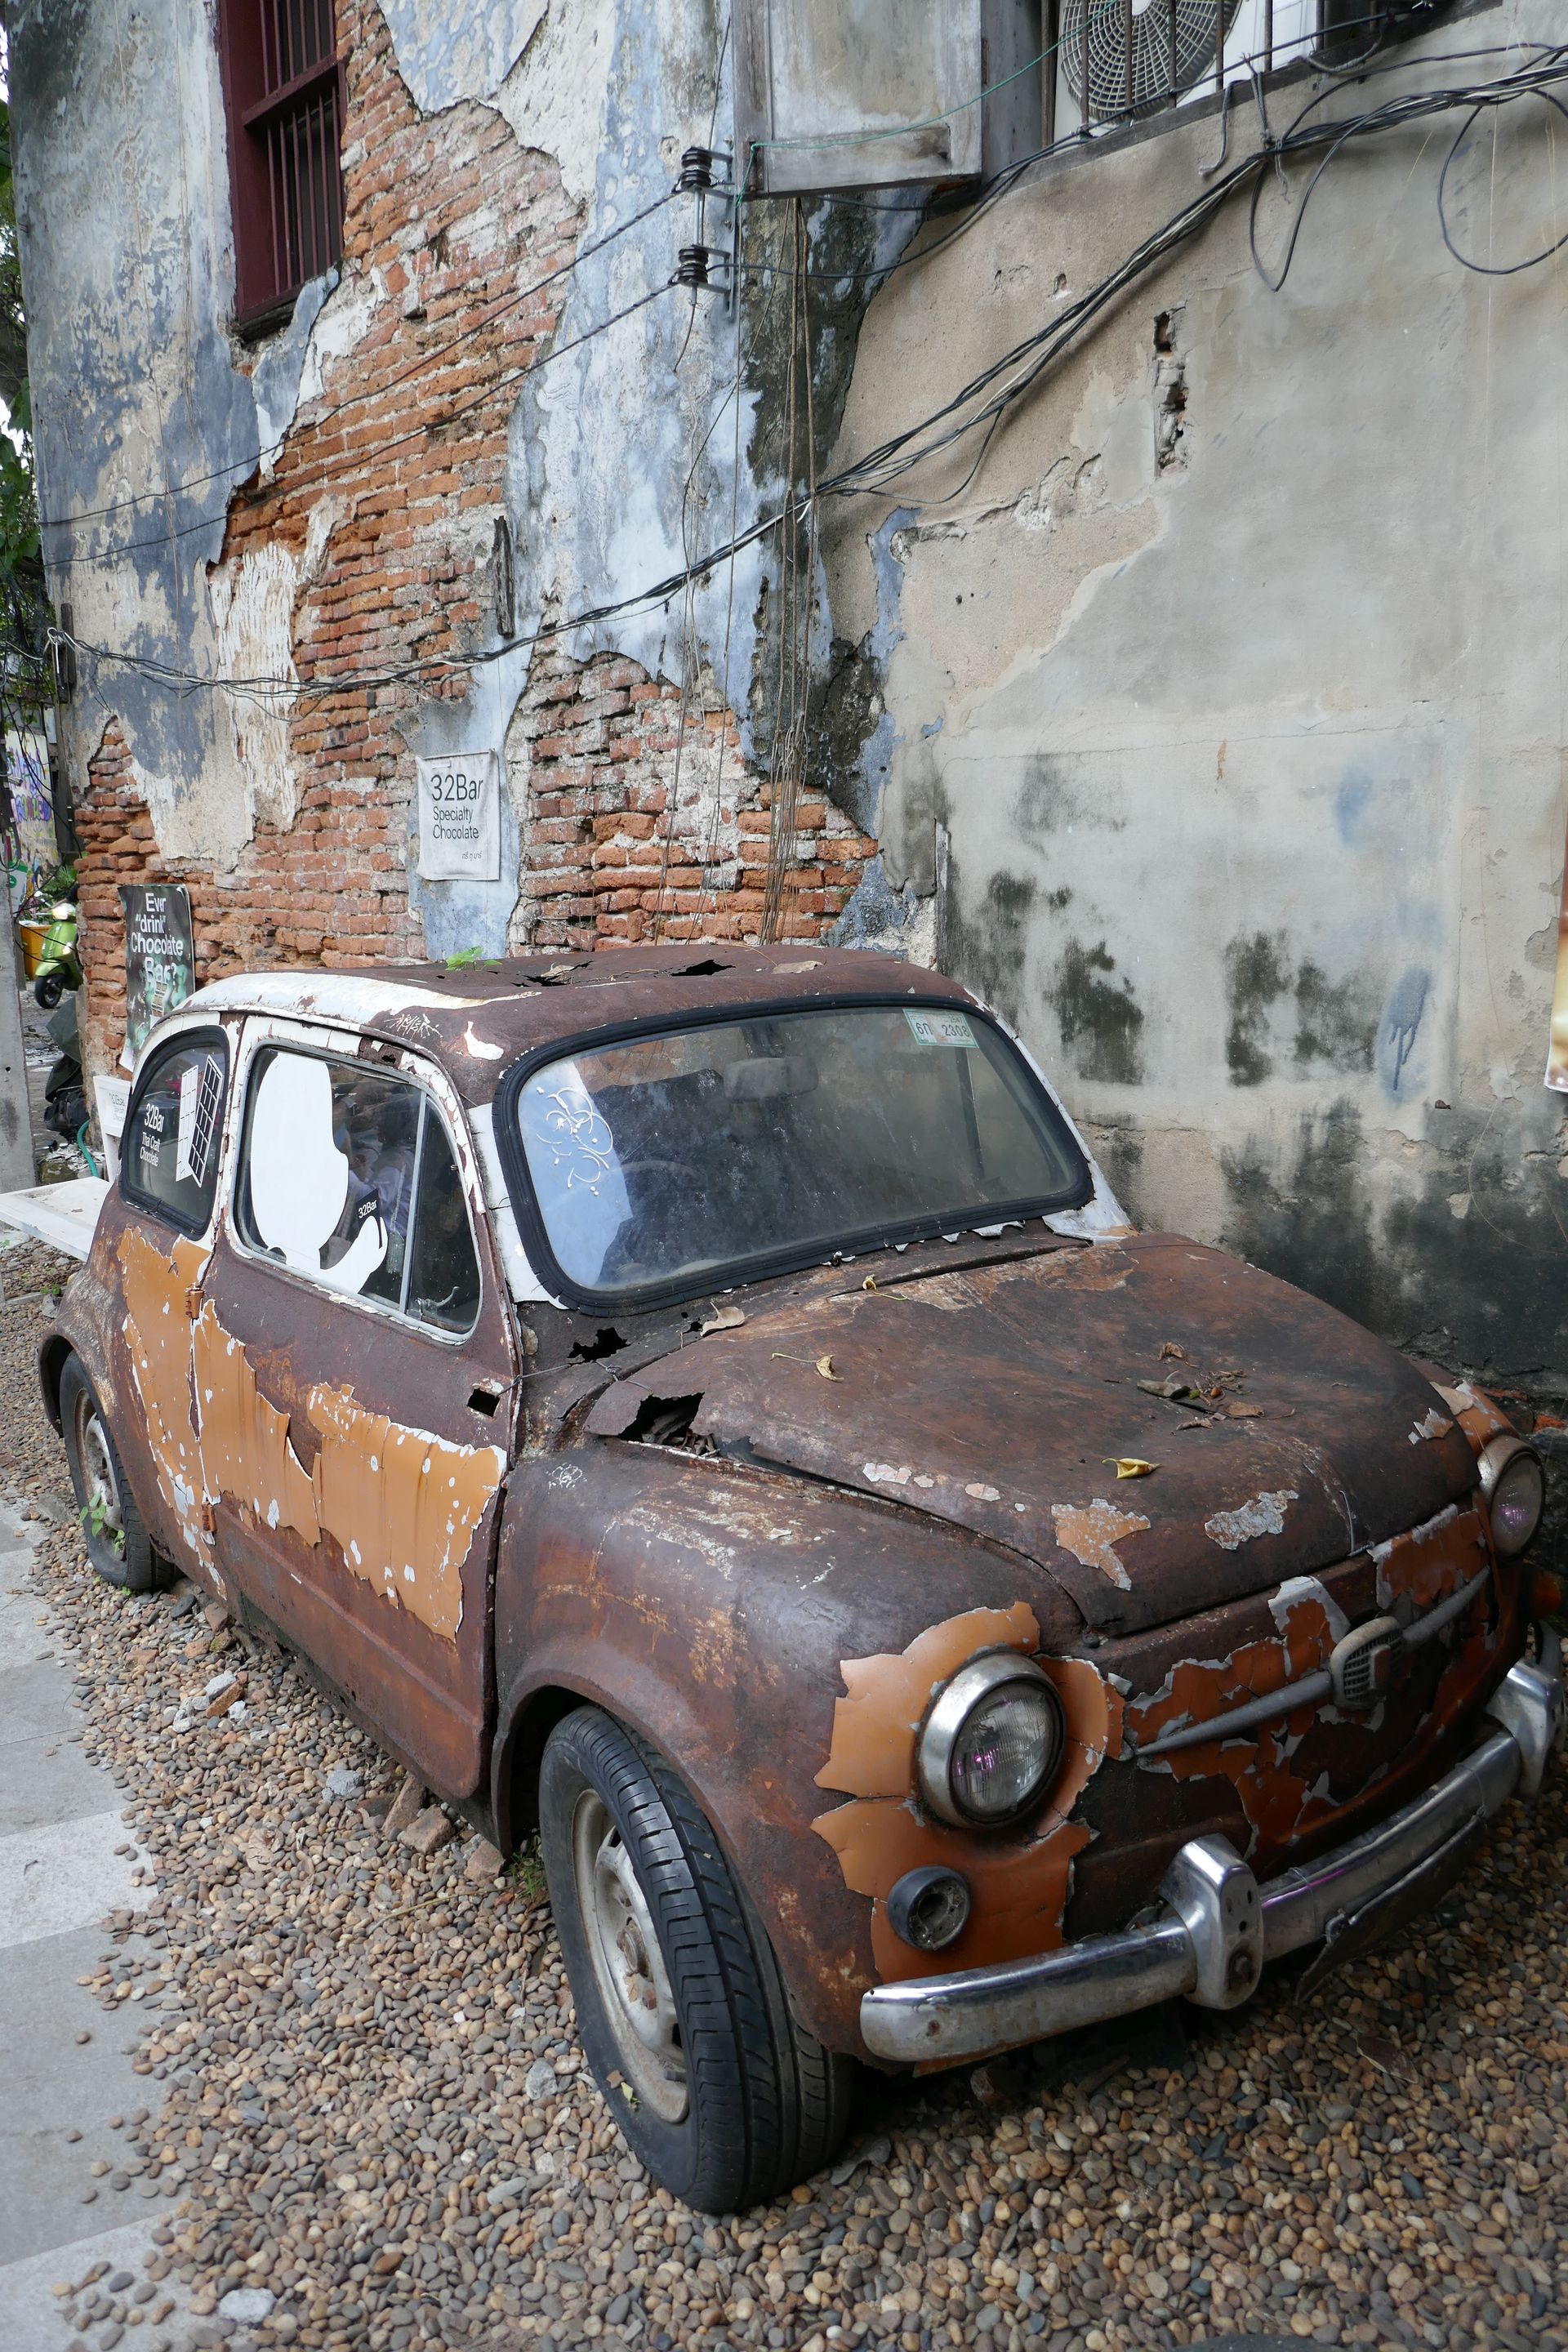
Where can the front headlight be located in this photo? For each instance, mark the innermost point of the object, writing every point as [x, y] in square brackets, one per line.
[991, 1742]
[1515, 1487]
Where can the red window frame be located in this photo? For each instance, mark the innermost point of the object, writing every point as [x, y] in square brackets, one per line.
[283, 94]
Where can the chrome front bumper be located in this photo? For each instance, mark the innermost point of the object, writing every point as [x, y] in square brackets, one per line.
[1219, 1925]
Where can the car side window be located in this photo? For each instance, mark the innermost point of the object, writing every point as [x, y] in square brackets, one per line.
[169, 1154]
[342, 1165]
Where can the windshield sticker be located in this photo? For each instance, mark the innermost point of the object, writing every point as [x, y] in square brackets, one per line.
[939, 1028]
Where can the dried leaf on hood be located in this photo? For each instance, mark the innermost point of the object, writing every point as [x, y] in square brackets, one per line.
[1235, 1411]
[824, 1365]
[1175, 1391]
[1129, 1467]
[728, 1319]
[1171, 1349]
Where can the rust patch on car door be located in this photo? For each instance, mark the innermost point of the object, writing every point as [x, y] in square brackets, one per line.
[1019, 1883]
[159, 1292]
[402, 1504]
[245, 1449]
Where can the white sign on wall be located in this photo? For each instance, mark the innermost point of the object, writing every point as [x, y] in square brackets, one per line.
[459, 817]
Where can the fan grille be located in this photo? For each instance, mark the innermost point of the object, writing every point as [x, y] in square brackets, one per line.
[1155, 76]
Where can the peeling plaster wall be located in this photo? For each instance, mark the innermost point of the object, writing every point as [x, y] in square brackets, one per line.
[1248, 736]
[129, 267]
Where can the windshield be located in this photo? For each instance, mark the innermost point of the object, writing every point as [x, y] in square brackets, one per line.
[670, 1157]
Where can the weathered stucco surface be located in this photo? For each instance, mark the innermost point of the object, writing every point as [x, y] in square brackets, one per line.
[1249, 762]
[138, 386]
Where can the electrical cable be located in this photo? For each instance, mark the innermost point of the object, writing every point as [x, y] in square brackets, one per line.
[1003, 182]
[427, 359]
[909, 447]
[331, 469]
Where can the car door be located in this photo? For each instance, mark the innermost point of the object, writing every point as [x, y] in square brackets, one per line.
[353, 1369]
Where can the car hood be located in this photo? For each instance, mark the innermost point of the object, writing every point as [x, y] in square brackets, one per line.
[1001, 1398]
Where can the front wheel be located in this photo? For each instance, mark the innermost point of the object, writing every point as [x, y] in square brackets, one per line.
[720, 2090]
[118, 1543]
[47, 990]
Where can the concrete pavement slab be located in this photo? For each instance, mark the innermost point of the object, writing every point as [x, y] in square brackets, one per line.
[56, 2084]
[32, 2317]
[47, 1781]
[36, 1706]
[59, 1875]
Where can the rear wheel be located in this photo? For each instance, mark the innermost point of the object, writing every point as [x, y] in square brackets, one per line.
[118, 1543]
[722, 2092]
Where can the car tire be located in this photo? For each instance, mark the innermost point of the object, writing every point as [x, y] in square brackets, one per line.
[718, 2087]
[115, 1533]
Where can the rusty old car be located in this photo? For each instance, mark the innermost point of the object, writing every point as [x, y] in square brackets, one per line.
[706, 1405]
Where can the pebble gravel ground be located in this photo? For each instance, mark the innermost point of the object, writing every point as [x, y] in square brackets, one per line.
[368, 2123]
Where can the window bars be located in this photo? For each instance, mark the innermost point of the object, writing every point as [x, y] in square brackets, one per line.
[283, 95]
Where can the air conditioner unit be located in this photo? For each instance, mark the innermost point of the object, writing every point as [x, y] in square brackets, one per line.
[1134, 58]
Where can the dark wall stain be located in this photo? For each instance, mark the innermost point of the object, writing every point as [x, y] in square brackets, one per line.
[1119, 1148]
[1099, 1019]
[842, 717]
[1336, 1021]
[1257, 974]
[1052, 797]
[985, 950]
[1489, 1292]
[844, 700]
[1485, 1294]
[1316, 1229]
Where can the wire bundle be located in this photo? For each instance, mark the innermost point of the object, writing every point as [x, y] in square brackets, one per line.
[981, 405]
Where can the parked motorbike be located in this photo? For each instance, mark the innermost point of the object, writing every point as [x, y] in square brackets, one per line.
[46, 926]
[59, 966]
[65, 1089]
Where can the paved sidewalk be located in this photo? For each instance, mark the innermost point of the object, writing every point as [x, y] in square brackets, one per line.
[67, 1858]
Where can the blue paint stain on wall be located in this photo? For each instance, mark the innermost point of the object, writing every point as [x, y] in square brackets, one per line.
[876, 907]
[1351, 804]
[1401, 1025]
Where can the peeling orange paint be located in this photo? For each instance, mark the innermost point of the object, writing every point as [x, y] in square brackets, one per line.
[158, 1292]
[1425, 1566]
[402, 1504]
[1475, 1412]
[245, 1449]
[873, 1750]
[1280, 1804]
[1091, 1531]
[1019, 1887]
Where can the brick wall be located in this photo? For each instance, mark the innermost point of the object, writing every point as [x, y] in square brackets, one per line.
[455, 219]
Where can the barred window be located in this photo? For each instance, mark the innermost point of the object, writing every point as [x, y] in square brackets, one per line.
[283, 95]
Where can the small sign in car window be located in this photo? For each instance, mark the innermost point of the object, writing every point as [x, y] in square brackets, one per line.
[939, 1028]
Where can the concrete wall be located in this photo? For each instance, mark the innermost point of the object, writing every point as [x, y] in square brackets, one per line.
[1214, 729]
[1248, 746]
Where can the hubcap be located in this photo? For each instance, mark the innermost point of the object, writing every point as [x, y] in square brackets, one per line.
[628, 1966]
[104, 1514]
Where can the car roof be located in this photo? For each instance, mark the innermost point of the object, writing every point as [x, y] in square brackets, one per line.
[478, 1019]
